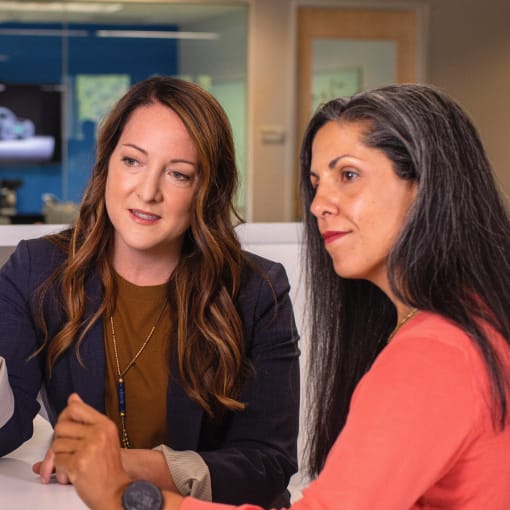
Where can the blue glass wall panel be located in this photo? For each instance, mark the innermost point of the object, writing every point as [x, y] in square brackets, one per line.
[36, 59]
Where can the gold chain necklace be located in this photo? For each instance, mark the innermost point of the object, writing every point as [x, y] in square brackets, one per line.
[121, 391]
[409, 316]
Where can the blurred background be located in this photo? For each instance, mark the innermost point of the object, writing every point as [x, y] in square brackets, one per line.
[269, 62]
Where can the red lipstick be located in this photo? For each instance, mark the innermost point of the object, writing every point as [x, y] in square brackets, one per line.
[331, 235]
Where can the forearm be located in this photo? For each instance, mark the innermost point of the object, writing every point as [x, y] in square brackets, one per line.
[148, 465]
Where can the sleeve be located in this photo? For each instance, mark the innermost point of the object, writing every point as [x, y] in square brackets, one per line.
[18, 341]
[6, 396]
[411, 417]
[195, 504]
[258, 450]
[189, 472]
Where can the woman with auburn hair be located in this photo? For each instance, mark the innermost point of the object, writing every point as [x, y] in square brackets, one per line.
[408, 245]
[149, 309]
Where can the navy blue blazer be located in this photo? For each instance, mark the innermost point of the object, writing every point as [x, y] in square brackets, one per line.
[251, 454]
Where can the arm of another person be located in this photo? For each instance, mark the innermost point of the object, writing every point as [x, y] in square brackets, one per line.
[18, 341]
[87, 452]
[258, 452]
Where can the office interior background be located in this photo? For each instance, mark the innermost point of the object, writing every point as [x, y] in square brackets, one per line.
[269, 63]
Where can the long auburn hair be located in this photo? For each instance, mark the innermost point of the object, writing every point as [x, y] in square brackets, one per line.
[206, 281]
[451, 256]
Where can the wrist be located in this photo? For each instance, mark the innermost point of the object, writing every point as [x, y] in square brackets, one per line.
[142, 495]
[148, 465]
[114, 500]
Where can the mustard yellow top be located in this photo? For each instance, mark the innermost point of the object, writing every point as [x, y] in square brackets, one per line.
[137, 310]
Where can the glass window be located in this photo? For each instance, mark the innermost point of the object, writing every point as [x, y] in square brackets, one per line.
[83, 56]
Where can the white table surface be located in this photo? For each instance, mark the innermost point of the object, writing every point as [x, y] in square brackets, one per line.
[20, 488]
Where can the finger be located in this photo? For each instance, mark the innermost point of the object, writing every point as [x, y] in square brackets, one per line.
[70, 429]
[64, 463]
[66, 445]
[36, 467]
[46, 467]
[62, 477]
[75, 456]
[66, 452]
[77, 410]
[74, 397]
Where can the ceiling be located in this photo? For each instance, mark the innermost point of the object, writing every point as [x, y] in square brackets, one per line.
[112, 11]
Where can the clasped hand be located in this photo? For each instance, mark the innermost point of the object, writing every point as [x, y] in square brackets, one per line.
[85, 452]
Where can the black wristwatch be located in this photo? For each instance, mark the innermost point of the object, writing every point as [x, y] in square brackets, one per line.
[142, 495]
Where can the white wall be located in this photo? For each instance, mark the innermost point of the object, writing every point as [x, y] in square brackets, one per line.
[469, 56]
[466, 51]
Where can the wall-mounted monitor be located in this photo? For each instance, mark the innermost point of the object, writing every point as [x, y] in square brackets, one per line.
[30, 123]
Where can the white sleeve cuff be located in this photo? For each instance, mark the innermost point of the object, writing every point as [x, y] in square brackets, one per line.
[6, 395]
[189, 472]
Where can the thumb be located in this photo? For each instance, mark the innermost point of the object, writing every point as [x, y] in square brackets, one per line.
[74, 397]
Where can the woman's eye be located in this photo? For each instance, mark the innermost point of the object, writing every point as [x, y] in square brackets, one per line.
[129, 161]
[179, 176]
[349, 175]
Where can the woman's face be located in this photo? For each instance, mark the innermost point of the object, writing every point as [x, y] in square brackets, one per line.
[360, 203]
[152, 176]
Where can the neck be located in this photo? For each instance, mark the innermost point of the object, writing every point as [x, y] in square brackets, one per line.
[146, 272]
[151, 266]
[411, 312]
[403, 311]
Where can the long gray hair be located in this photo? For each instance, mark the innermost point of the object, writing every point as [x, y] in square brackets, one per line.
[451, 256]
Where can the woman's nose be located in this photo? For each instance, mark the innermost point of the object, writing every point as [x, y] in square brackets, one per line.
[149, 187]
[322, 204]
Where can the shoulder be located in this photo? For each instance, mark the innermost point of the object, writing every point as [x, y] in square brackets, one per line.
[435, 334]
[433, 374]
[264, 304]
[264, 287]
[33, 260]
[263, 267]
[433, 355]
[42, 252]
[263, 273]
[256, 261]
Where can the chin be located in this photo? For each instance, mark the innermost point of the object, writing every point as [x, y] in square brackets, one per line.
[347, 273]
[342, 272]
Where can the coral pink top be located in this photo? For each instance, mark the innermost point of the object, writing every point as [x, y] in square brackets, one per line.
[419, 434]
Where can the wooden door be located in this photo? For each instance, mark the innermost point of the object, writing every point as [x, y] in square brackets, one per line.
[328, 23]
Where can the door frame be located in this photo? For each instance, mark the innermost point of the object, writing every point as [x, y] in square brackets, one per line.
[421, 12]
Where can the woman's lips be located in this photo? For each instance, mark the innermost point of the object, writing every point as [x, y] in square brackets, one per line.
[329, 236]
[144, 216]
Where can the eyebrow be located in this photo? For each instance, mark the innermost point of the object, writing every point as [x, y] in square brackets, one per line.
[143, 151]
[334, 161]
[132, 145]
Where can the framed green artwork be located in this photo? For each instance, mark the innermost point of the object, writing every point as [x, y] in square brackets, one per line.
[329, 84]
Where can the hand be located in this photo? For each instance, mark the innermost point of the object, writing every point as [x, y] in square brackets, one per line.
[46, 468]
[86, 450]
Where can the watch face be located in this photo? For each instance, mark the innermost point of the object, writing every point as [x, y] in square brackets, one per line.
[142, 495]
